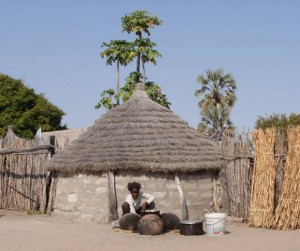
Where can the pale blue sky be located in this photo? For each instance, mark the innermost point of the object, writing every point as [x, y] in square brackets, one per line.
[53, 46]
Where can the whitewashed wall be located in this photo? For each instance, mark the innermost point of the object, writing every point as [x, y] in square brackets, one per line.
[83, 197]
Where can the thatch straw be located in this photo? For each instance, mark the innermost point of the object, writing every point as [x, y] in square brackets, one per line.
[139, 135]
[280, 160]
[263, 179]
[287, 214]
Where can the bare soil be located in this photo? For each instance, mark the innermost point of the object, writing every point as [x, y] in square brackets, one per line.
[20, 231]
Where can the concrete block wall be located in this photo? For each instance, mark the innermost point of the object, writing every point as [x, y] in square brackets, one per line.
[197, 189]
[83, 197]
[162, 186]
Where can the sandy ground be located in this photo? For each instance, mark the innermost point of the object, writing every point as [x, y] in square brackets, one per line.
[19, 231]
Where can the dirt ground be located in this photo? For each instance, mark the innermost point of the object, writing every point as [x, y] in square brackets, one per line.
[19, 231]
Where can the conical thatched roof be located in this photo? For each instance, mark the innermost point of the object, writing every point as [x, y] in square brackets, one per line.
[12, 140]
[139, 135]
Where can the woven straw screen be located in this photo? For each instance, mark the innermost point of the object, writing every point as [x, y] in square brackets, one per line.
[287, 214]
[263, 179]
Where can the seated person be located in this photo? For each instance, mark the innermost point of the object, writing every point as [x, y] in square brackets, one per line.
[133, 202]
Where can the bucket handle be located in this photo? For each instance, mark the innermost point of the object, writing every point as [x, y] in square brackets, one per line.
[217, 221]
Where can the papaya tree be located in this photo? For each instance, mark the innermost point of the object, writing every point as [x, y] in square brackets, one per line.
[123, 53]
[110, 99]
[140, 22]
[120, 52]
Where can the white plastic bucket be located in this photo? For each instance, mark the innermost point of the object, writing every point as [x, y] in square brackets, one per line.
[215, 223]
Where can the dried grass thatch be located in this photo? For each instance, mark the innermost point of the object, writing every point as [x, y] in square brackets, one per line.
[12, 140]
[139, 135]
[280, 160]
[287, 214]
[263, 179]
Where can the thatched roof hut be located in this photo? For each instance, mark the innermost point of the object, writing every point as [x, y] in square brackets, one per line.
[139, 137]
[11, 139]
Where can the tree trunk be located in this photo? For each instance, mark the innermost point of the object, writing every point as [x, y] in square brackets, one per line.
[118, 82]
[144, 72]
[138, 63]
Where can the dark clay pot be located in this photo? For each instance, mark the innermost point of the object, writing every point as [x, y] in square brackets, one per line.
[153, 211]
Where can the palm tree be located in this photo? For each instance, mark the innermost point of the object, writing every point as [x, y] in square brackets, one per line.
[119, 51]
[139, 22]
[215, 121]
[217, 88]
[218, 97]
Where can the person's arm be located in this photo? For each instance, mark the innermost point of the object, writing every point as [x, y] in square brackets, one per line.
[149, 198]
[129, 200]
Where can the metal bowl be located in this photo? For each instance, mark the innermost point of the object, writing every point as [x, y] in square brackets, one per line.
[191, 227]
[150, 211]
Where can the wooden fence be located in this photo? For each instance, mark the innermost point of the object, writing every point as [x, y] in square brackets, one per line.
[235, 177]
[249, 190]
[23, 178]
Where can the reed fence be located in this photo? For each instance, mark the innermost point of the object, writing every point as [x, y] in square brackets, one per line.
[287, 214]
[275, 189]
[262, 204]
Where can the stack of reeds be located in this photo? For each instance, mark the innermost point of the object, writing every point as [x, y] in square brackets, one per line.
[263, 179]
[280, 160]
[287, 214]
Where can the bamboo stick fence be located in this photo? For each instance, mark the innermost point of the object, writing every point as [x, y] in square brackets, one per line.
[23, 178]
[235, 177]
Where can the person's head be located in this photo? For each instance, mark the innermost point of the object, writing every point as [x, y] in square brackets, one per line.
[134, 189]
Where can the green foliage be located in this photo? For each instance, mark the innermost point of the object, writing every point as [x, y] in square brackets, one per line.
[118, 51]
[110, 99]
[216, 88]
[218, 97]
[279, 121]
[25, 110]
[145, 46]
[139, 21]
[215, 121]
[123, 53]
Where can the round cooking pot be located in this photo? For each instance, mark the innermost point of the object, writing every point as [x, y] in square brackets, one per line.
[191, 227]
[150, 211]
